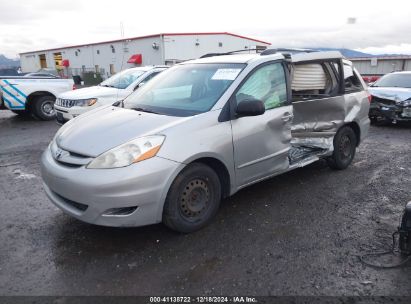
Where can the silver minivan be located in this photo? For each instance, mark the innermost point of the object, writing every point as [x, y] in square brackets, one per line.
[201, 131]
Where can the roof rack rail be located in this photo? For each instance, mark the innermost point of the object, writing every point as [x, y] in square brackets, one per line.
[286, 50]
[228, 53]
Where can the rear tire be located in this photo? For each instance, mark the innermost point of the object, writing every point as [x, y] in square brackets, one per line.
[345, 143]
[43, 107]
[193, 199]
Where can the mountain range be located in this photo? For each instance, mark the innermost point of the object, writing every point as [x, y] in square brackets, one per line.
[8, 63]
[348, 53]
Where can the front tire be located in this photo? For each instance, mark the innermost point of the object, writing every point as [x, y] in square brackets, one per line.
[43, 107]
[345, 143]
[193, 199]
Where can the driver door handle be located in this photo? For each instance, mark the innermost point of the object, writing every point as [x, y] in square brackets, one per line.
[287, 116]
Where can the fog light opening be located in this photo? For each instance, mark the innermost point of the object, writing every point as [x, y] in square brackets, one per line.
[124, 211]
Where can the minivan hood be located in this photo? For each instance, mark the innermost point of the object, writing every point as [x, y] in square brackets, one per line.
[396, 94]
[104, 128]
[91, 92]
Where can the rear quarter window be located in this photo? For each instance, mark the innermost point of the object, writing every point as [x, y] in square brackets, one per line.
[311, 81]
[352, 82]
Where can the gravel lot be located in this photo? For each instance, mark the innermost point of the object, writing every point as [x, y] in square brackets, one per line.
[295, 234]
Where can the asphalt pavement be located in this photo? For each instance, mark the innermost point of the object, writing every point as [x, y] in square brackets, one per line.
[296, 234]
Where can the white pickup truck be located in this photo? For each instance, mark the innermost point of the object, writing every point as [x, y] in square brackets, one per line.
[32, 95]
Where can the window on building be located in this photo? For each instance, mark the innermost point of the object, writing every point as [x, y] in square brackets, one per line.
[43, 61]
[76, 53]
[98, 52]
[220, 44]
[113, 50]
[112, 69]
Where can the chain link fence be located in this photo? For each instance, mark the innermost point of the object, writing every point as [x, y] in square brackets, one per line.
[83, 76]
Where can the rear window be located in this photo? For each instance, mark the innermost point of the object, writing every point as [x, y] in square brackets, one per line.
[311, 81]
[352, 82]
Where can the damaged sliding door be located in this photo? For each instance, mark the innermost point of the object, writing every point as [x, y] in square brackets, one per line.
[318, 98]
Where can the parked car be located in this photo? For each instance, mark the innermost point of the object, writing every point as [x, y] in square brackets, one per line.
[391, 98]
[200, 132]
[370, 79]
[4, 72]
[32, 95]
[115, 88]
[41, 74]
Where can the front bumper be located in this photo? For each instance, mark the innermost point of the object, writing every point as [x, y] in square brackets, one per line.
[87, 194]
[69, 113]
[391, 112]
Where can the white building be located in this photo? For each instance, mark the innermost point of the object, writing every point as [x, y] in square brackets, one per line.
[111, 57]
[381, 65]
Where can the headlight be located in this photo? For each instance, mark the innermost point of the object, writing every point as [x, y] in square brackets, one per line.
[86, 102]
[406, 103]
[131, 152]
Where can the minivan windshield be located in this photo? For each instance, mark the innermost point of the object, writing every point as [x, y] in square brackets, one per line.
[123, 79]
[399, 80]
[185, 90]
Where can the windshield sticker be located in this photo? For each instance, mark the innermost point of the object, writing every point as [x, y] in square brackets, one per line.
[226, 74]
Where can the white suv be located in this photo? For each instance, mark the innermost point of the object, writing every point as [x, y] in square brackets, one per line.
[71, 104]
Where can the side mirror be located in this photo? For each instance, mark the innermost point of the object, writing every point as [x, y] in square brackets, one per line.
[250, 107]
[139, 85]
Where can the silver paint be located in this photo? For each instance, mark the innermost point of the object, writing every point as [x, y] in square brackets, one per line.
[250, 148]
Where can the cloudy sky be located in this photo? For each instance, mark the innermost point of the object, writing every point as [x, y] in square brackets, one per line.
[28, 25]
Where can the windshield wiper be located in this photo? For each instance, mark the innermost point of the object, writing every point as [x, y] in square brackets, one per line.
[145, 110]
[106, 85]
[119, 103]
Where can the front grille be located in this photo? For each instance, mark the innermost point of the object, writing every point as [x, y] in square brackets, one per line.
[75, 205]
[63, 163]
[69, 158]
[384, 101]
[74, 154]
[66, 103]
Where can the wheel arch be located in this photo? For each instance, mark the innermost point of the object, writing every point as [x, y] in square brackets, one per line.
[213, 161]
[33, 96]
[356, 128]
[220, 168]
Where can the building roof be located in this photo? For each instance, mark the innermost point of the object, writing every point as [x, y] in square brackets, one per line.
[382, 57]
[148, 36]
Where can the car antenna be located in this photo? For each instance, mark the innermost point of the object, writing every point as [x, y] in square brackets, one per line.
[122, 59]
